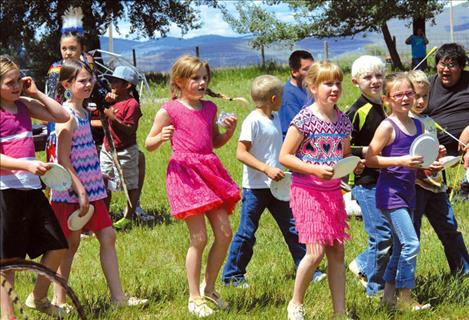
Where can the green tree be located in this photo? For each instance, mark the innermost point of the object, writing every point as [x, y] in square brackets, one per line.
[252, 19]
[33, 26]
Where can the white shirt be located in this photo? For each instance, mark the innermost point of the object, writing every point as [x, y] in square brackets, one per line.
[265, 136]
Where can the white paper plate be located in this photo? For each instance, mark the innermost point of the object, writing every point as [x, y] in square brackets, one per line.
[281, 189]
[426, 146]
[57, 177]
[76, 222]
[449, 161]
[345, 166]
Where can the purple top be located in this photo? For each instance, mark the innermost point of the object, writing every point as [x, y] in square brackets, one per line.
[395, 187]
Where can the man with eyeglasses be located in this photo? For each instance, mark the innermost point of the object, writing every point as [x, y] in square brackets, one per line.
[449, 98]
[449, 94]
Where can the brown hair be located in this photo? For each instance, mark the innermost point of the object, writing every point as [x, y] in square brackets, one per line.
[391, 79]
[184, 68]
[69, 71]
[322, 71]
[7, 64]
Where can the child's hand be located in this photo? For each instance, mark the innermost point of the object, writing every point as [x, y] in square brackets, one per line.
[84, 203]
[274, 173]
[110, 97]
[109, 112]
[167, 132]
[360, 166]
[323, 172]
[230, 123]
[436, 166]
[29, 87]
[38, 167]
[441, 151]
[411, 162]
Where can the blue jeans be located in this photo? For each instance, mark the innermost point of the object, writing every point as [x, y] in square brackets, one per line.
[438, 209]
[405, 248]
[254, 202]
[373, 261]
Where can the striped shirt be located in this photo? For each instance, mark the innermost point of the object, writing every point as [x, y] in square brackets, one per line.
[16, 141]
[85, 161]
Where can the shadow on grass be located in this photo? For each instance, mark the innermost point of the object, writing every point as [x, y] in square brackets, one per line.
[161, 216]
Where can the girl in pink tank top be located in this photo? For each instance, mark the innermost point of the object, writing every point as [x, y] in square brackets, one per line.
[197, 184]
[28, 225]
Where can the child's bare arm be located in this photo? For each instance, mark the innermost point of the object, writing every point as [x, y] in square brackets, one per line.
[244, 155]
[288, 158]
[383, 137]
[34, 166]
[220, 139]
[64, 144]
[125, 128]
[162, 130]
[40, 106]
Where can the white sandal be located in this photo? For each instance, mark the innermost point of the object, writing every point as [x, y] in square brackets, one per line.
[199, 308]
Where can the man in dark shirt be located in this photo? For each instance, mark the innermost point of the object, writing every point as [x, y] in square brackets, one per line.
[448, 101]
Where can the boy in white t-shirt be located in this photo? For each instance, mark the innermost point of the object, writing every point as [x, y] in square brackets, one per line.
[258, 149]
[431, 197]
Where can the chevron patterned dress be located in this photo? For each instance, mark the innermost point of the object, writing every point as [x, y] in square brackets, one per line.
[85, 161]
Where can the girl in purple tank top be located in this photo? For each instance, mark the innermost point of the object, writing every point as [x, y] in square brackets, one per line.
[395, 188]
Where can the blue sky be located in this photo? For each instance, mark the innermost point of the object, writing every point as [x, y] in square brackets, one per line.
[213, 23]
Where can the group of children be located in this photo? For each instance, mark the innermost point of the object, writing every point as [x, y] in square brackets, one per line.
[313, 222]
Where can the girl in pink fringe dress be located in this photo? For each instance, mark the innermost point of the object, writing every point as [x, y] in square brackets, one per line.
[318, 137]
[197, 184]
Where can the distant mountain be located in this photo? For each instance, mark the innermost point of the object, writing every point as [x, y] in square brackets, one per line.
[159, 54]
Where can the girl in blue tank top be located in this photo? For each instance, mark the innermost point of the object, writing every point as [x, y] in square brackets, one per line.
[395, 188]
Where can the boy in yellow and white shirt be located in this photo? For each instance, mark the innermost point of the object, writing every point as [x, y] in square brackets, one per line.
[432, 199]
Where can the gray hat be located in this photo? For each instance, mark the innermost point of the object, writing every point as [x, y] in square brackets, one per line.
[125, 73]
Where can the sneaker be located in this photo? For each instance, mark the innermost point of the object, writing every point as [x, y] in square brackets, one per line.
[213, 297]
[199, 308]
[142, 215]
[130, 302]
[122, 224]
[318, 276]
[43, 305]
[295, 311]
[353, 267]
[240, 283]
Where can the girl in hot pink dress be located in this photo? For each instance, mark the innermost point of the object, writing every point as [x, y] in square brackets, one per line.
[197, 184]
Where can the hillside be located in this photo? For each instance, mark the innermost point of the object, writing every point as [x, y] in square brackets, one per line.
[159, 54]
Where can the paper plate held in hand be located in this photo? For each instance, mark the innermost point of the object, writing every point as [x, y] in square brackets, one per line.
[345, 166]
[57, 177]
[449, 161]
[425, 145]
[75, 222]
[281, 189]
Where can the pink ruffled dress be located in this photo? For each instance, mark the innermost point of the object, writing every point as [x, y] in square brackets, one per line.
[196, 180]
[317, 205]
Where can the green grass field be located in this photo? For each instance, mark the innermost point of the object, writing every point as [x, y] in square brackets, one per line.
[152, 257]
